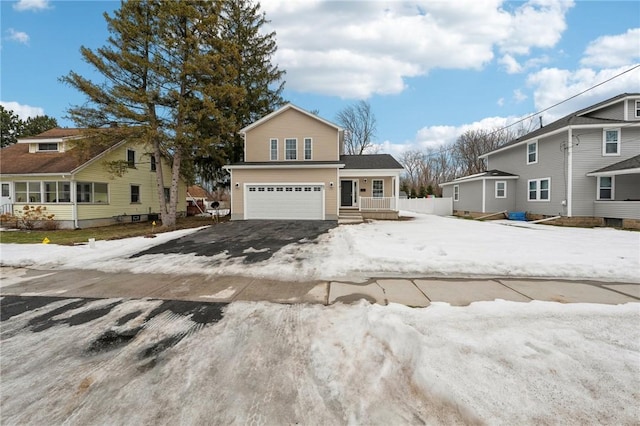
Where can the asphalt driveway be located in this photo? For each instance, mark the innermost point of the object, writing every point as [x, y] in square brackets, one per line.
[255, 240]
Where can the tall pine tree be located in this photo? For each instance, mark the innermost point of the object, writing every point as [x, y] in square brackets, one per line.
[169, 81]
[242, 24]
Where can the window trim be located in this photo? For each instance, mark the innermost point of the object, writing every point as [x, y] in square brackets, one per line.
[287, 150]
[310, 140]
[637, 109]
[538, 190]
[456, 193]
[271, 141]
[130, 164]
[373, 190]
[612, 187]
[57, 147]
[534, 143]
[604, 143]
[504, 189]
[131, 186]
[153, 163]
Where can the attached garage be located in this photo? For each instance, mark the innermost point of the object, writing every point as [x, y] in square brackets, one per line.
[284, 201]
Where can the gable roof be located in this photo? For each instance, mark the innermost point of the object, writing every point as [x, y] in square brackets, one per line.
[286, 108]
[17, 160]
[628, 166]
[196, 191]
[370, 161]
[574, 119]
[488, 174]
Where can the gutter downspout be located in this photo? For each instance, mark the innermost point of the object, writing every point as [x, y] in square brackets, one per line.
[397, 190]
[569, 172]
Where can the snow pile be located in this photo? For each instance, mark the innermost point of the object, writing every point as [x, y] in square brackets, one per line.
[490, 362]
[424, 246]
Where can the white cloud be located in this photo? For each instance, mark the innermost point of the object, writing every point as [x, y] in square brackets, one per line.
[500, 102]
[22, 111]
[19, 36]
[511, 65]
[553, 85]
[613, 51]
[35, 5]
[358, 49]
[518, 96]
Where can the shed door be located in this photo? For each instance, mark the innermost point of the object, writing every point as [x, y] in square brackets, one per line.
[285, 202]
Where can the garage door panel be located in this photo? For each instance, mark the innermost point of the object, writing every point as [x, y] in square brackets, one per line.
[284, 202]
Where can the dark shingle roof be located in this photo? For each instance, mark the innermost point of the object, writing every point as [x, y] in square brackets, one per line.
[16, 158]
[370, 161]
[630, 163]
[301, 163]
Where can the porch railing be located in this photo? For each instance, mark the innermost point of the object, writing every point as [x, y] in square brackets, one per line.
[6, 208]
[378, 203]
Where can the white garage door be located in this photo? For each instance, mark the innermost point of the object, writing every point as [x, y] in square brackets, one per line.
[284, 202]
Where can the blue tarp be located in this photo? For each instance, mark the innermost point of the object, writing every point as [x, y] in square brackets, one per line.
[517, 215]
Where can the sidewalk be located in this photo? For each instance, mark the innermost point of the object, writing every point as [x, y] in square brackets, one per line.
[413, 291]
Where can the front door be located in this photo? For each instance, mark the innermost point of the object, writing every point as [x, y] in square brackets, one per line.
[346, 193]
[6, 197]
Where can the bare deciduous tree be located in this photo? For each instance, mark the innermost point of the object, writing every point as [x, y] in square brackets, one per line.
[359, 126]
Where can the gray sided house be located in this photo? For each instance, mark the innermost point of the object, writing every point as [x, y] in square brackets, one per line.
[584, 167]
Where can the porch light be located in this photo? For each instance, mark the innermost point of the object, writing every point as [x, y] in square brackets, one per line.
[331, 184]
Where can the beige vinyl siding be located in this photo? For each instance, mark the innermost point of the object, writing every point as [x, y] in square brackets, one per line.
[292, 124]
[368, 185]
[587, 157]
[325, 176]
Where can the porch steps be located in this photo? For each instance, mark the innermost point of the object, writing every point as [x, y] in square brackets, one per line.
[349, 217]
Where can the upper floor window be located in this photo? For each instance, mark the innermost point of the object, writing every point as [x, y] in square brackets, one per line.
[501, 189]
[540, 189]
[291, 149]
[273, 148]
[47, 146]
[532, 152]
[377, 188]
[605, 188]
[154, 166]
[637, 109]
[456, 192]
[307, 148]
[611, 142]
[131, 158]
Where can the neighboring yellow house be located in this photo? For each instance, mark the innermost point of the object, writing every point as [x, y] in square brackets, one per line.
[46, 170]
[295, 168]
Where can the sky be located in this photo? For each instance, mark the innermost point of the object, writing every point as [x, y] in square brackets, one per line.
[430, 69]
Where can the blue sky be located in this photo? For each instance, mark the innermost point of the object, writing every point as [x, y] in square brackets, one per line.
[430, 70]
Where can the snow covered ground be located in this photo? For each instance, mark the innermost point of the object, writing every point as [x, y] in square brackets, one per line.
[425, 246]
[487, 363]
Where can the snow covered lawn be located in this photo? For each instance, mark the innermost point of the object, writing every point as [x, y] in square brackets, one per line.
[487, 363]
[425, 246]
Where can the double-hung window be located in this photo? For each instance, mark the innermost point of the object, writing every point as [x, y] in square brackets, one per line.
[637, 109]
[307, 148]
[611, 142]
[291, 149]
[456, 192]
[540, 189]
[154, 166]
[131, 158]
[377, 188]
[501, 189]
[47, 147]
[605, 188]
[135, 194]
[273, 149]
[532, 152]
[28, 192]
[57, 192]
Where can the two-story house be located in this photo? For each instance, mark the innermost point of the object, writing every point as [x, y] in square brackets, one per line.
[584, 167]
[76, 185]
[294, 168]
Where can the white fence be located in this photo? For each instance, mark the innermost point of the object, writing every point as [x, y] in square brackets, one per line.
[437, 206]
[378, 203]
